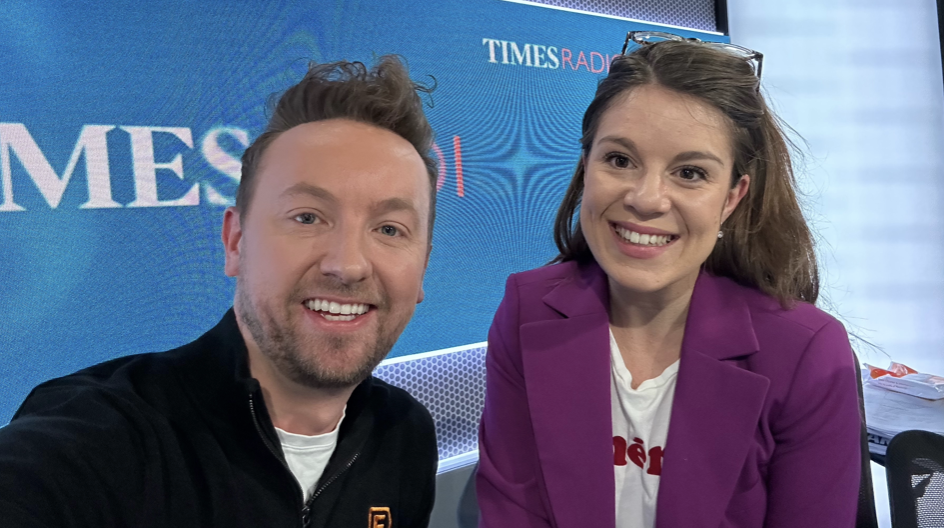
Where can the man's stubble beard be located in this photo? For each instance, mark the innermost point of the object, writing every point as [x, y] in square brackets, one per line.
[298, 358]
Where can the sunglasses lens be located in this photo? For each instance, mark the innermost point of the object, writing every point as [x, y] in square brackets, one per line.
[734, 50]
[654, 37]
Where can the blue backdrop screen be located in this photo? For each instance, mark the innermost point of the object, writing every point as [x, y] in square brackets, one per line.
[122, 123]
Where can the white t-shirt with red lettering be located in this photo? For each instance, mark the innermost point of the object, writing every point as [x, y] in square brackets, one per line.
[640, 427]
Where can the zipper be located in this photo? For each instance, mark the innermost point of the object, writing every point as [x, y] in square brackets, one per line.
[255, 420]
[306, 511]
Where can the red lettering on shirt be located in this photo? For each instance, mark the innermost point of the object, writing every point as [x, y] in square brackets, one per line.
[619, 451]
[636, 452]
[655, 461]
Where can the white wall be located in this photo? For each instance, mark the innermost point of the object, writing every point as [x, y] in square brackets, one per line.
[860, 81]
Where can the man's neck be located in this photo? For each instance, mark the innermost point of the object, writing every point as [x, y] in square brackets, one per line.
[293, 407]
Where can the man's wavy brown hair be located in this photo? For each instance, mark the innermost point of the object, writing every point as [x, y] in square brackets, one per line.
[767, 243]
[383, 96]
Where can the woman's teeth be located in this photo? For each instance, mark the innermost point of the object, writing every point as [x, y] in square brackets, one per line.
[641, 239]
[333, 311]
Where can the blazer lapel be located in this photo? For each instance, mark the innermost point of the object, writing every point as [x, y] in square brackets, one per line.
[716, 408]
[566, 363]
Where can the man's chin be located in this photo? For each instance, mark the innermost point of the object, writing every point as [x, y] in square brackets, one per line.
[330, 367]
[333, 379]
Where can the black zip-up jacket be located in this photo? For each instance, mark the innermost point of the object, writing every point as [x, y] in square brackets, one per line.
[182, 438]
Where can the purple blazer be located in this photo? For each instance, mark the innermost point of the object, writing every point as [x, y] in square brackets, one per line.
[765, 424]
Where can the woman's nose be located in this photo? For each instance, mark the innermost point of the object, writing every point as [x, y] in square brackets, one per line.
[647, 195]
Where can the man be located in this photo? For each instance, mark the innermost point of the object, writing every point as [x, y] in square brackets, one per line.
[271, 418]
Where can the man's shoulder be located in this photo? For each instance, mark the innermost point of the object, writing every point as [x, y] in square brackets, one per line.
[85, 431]
[87, 445]
[392, 404]
[151, 379]
[114, 381]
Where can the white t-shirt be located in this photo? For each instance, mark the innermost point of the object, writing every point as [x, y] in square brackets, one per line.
[307, 456]
[640, 427]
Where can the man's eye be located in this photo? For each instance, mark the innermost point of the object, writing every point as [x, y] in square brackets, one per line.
[618, 160]
[389, 230]
[306, 218]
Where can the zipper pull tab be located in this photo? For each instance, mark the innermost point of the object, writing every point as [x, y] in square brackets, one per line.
[306, 516]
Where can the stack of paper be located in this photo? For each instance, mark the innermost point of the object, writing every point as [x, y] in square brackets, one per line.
[902, 378]
[888, 413]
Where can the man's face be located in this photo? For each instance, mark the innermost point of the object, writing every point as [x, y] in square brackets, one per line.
[330, 254]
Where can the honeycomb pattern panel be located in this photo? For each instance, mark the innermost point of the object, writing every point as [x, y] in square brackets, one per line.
[694, 14]
[452, 387]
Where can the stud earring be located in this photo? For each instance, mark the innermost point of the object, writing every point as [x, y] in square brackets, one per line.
[720, 234]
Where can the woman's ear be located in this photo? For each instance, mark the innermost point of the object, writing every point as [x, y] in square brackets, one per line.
[735, 194]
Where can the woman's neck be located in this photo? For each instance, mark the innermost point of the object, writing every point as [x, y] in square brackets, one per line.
[658, 312]
[648, 328]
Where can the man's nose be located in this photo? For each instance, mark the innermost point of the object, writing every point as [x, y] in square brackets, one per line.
[345, 257]
[647, 195]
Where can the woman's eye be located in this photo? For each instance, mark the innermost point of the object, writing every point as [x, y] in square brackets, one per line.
[618, 160]
[306, 218]
[692, 174]
[389, 230]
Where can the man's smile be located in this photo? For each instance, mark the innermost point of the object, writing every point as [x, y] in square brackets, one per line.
[337, 311]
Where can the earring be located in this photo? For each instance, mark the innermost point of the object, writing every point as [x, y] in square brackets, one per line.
[720, 234]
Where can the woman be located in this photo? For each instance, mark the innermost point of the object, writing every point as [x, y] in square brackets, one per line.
[670, 369]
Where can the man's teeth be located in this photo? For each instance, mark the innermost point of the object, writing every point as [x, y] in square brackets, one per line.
[334, 311]
[642, 239]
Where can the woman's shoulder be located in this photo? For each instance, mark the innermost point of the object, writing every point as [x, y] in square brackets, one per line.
[767, 313]
[550, 292]
[800, 341]
[550, 275]
[789, 336]
[571, 279]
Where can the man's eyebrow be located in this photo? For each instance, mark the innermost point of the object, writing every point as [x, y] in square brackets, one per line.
[394, 204]
[308, 189]
[697, 155]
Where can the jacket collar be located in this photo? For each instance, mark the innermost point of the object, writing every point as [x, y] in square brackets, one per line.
[583, 292]
[717, 407]
[719, 321]
[715, 411]
[214, 371]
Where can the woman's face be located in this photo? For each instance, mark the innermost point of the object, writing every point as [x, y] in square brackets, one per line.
[657, 188]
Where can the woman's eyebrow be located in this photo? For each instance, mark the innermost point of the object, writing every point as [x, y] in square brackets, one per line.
[694, 155]
[622, 141]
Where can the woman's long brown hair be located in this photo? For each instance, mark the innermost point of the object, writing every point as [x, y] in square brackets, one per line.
[767, 244]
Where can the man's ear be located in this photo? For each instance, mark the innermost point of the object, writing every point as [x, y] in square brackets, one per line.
[232, 236]
[422, 294]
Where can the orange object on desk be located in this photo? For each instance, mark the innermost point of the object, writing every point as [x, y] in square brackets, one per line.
[895, 370]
